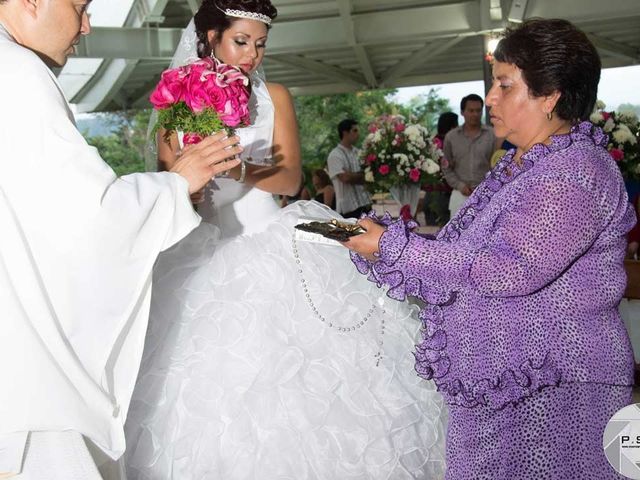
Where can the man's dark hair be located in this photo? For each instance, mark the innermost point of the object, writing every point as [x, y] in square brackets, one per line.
[472, 97]
[345, 126]
[554, 55]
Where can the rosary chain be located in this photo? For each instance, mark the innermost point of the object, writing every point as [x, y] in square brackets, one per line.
[323, 319]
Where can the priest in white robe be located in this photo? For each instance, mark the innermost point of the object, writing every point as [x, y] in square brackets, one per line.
[77, 246]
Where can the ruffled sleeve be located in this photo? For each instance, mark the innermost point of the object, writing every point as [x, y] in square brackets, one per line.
[552, 222]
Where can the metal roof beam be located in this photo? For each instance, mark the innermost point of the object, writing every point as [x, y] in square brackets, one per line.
[114, 71]
[295, 37]
[194, 5]
[616, 49]
[587, 10]
[346, 7]
[131, 43]
[430, 79]
[418, 58]
[320, 68]
[146, 11]
[106, 83]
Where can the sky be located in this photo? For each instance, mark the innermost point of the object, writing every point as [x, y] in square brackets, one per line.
[617, 85]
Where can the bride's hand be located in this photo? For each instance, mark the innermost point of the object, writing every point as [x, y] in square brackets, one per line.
[197, 197]
[366, 244]
[212, 156]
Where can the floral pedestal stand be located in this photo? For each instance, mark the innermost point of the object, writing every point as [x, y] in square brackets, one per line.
[408, 197]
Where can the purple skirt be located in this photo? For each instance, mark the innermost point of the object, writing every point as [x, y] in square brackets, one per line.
[554, 435]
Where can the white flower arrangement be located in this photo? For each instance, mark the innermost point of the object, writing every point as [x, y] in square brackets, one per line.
[623, 129]
[396, 153]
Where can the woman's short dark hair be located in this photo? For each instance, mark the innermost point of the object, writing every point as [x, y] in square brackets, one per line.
[210, 16]
[555, 56]
[345, 126]
[447, 121]
[323, 176]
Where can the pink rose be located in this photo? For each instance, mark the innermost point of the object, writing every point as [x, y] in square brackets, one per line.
[191, 138]
[236, 109]
[398, 140]
[399, 127]
[373, 129]
[170, 89]
[616, 154]
[414, 174]
[405, 213]
[384, 169]
[606, 115]
[371, 158]
[202, 91]
[437, 141]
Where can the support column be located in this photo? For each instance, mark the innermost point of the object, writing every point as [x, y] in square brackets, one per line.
[486, 74]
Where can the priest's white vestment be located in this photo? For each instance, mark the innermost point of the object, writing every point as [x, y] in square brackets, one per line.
[77, 247]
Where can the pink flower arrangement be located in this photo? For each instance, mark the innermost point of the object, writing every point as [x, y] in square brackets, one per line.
[202, 98]
[397, 153]
[623, 129]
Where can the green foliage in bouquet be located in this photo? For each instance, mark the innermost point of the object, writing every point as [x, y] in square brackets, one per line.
[180, 118]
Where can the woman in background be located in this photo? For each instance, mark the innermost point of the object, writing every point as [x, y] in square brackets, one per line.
[436, 198]
[325, 193]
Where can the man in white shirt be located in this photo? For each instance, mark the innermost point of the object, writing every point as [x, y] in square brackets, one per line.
[345, 172]
[76, 254]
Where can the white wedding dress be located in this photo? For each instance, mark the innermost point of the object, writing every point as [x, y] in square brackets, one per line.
[242, 379]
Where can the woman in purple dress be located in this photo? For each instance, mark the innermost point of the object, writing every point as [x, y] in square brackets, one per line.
[521, 330]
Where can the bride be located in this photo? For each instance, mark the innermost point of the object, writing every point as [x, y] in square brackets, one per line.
[268, 356]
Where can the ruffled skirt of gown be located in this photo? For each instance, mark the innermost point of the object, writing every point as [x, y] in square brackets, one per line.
[240, 379]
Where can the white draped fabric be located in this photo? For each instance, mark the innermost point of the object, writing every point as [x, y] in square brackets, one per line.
[76, 254]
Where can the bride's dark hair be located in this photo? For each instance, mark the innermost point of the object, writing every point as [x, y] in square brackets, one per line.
[210, 16]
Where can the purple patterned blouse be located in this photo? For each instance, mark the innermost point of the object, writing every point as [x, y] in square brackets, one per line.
[522, 285]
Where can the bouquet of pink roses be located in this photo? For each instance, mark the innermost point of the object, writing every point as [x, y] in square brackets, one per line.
[201, 98]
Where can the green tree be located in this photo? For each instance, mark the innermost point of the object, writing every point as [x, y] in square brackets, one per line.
[319, 115]
[426, 108]
[629, 107]
[124, 148]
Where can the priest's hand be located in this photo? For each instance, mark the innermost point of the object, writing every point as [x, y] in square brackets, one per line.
[366, 244]
[203, 161]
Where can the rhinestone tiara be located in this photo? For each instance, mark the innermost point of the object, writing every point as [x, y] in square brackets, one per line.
[250, 15]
